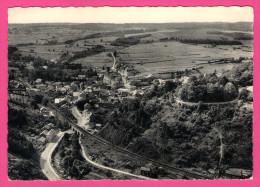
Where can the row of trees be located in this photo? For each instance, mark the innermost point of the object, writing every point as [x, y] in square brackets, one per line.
[203, 41]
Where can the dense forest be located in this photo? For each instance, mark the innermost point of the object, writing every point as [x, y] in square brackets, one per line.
[72, 162]
[154, 126]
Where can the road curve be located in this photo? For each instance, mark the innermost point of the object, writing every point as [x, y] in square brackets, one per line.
[45, 159]
[108, 168]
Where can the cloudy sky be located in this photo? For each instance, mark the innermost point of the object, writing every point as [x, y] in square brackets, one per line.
[129, 14]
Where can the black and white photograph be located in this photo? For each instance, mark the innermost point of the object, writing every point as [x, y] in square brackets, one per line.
[130, 93]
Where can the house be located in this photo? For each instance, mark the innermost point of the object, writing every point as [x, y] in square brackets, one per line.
[96, 90]
[58, 86]
[82, 95]
[42, 141]
[98, 126]
[49, 126]
[235, 173]
[51, 135]
[81, 77]
[58, 100]
[41, 86]
[74, 99]
[129, 165]
[67, 87]
[62, 90]
[87, 106]
[38, 80]
[66, 105]
[44, 111]
[145, 171]
[75, 94]
[50, 87]
[44, 133]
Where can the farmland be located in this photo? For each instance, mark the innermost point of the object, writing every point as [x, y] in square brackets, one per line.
[161, 50]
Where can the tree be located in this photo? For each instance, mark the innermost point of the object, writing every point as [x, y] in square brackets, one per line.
[45, 101]
[109, 174]
[230, 91]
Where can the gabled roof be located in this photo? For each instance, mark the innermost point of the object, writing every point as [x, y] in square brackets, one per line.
[42, 139]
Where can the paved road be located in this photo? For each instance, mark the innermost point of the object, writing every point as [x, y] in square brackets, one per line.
[108, 168]
[45, 159]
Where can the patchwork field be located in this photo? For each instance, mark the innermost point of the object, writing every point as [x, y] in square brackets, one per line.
[160, 57]
[150, 56]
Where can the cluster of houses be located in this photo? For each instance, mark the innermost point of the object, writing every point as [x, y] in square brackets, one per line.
[17, 93]
[48, 134]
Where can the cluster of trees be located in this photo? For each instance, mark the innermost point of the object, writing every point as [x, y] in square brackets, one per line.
[242, 75]
[246, 95]
[208, 88]
[82, 54]
[71, 160]
[132, 40]
[133, 116]
[189, 137]
[158, 90]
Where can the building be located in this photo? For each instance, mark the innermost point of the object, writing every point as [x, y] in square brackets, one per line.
[38, 81]
[145, 171]
[44, 133]
[44, 111]
[49, 126]
[51, 135]
[42, 141]
[98, 126]
[58, 100]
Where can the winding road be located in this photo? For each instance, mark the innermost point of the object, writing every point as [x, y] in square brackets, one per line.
[46, 157]
[108, 168]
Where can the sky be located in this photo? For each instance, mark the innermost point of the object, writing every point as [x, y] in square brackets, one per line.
[129, 14]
